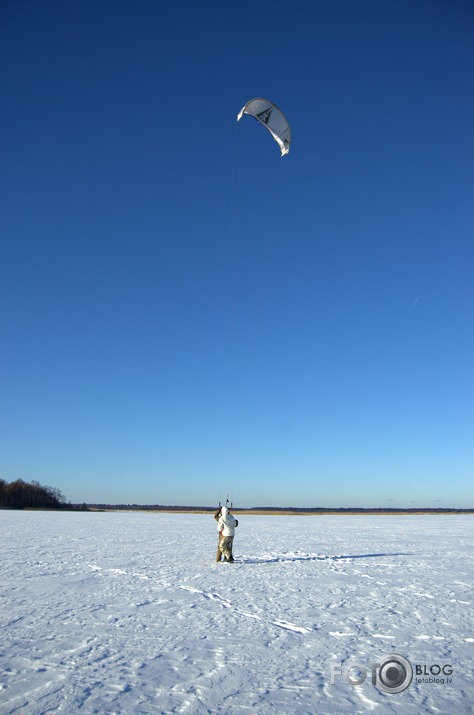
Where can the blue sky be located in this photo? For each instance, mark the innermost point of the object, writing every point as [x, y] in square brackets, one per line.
[184, 314]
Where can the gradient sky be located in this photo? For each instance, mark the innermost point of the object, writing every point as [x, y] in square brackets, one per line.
[184, 314]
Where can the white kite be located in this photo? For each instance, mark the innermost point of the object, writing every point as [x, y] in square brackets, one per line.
[268, 114]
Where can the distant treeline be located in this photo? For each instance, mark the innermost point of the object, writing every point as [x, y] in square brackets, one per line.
[150, 507]
[30, 495]
[296, 510]
[362, 510]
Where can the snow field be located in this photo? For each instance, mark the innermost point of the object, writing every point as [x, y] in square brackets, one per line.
[128, 613]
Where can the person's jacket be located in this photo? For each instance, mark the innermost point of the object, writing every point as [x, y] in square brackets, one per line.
[226, 524]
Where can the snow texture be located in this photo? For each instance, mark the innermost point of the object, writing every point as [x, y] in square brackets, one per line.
[129, 613]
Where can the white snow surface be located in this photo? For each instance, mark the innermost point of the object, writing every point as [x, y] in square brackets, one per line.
[129, 613]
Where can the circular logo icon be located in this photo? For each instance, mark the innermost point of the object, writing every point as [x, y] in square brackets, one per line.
[394, 673]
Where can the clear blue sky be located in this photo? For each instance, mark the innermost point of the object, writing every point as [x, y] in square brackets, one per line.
[184, 313]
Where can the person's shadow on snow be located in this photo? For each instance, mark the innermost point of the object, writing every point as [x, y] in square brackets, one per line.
[313, 557]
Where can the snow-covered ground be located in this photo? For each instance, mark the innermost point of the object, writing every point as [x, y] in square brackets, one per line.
[128, 613]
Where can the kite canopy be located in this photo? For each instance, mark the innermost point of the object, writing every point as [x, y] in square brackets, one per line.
[268, 114]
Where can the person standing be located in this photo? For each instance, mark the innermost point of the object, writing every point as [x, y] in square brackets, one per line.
[217, 516]
[226, 525]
